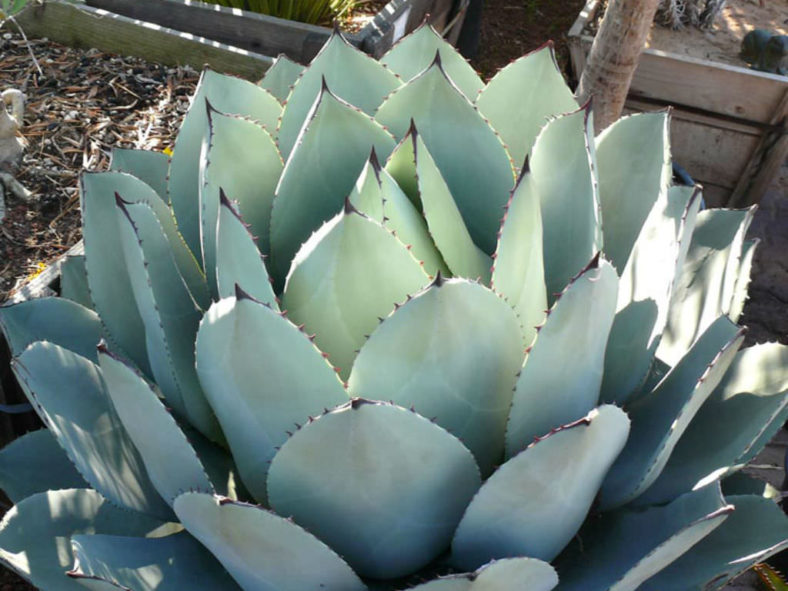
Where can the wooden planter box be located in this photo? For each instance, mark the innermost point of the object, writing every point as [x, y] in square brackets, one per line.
[271, 36]
[730, 124]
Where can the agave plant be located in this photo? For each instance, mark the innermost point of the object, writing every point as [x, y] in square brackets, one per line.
[359, 398]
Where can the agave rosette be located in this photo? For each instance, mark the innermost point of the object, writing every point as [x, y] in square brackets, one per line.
[288, 362]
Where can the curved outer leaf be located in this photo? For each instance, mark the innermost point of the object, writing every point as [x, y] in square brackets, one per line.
[262, 376]
[535, 503]
[509, 574]
[70, 397]
[170, 314]
[348, 275]
[170, 563]
[248, 176]
[110, 285]
[645, 290]
[74, 281]
[353, 76]
[480, 176]
[415, 52]
[631, 180]
[739, 296]
[523, 96]
[150, 167]
[660, 417]
[313, 187]
[622, 549]
[262, 551]
[706, 287]
[518, 271]
[452, 352]
[565, 179]
[36, 463]
[280, 77]
[152, 429]
[238, 261]
[546, 397]
[229, 95]
[56, 320]
[756, 530]
[751, 396]
[444, 219]
[336, 474]
[35, 534]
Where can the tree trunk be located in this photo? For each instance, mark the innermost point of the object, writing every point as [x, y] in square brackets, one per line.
[614, 57]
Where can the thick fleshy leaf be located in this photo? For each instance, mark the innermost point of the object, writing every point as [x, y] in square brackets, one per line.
[645, 290]
[170, 563]
[56, 320]
[414, 53]
[35, 534]
[110, 285]
[170, 314]
[480, 176]
[339, 290]
[280, 77]
[350, 73]
[248, 176]
[452, 353]
[262, 551]
[509, 574]
[565, 180]
[36, 463]
[226, 94]
[313, 187]
[618, 551]
[69, 394]
[402, 210]
[238, 261]
[367, 194]
[518, 272]
[444, 219]
[262, 376]
[74, 281]
[706, 286]
[743, 280]
[756, 530]
[152, 429]
[631, 180]
[751, 396]
[523, 96]
[390, 458]
[535, 503]
[150, 167]
[660, 417]
[545, 398]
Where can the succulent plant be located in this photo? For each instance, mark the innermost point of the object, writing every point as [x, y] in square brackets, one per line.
[358, 397]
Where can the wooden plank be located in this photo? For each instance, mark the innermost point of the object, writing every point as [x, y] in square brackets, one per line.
[266, 35]
[766, 160]
[78, 25]
[42, 286]
[717, 88]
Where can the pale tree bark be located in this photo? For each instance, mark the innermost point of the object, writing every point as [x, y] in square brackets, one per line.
[614, 57]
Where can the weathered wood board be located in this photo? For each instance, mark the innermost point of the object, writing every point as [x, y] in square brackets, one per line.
[729, 123]
[79, 25]
[271, 36]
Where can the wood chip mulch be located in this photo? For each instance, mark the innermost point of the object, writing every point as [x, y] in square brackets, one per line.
[80, 105]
